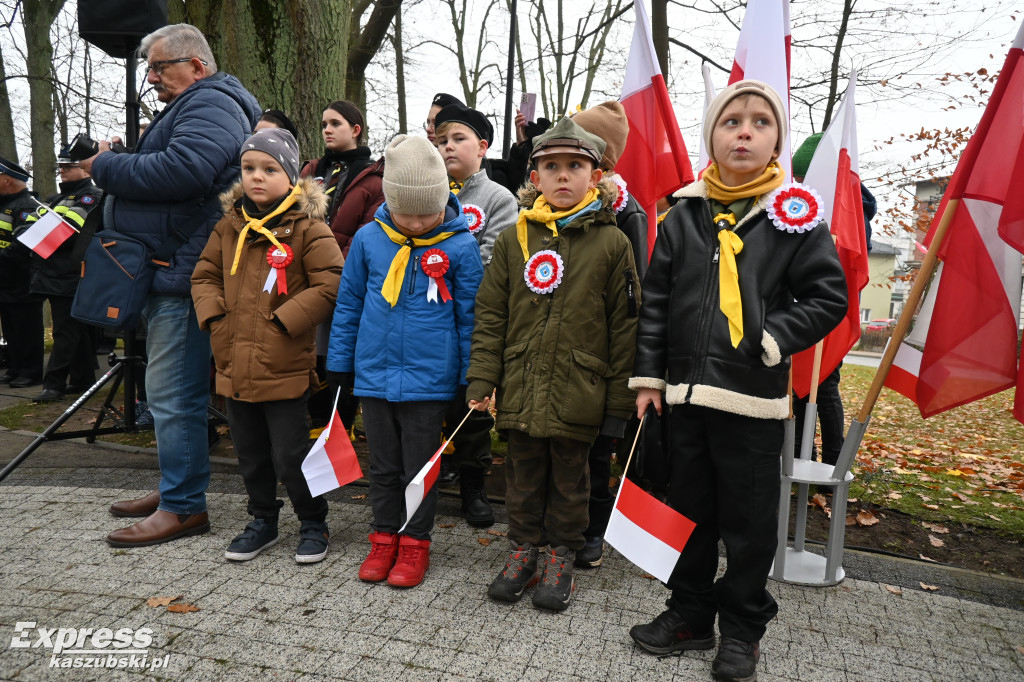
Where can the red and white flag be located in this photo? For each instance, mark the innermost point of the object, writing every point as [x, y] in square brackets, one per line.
[647, 531]
[762, 53]
[422, 483]
[45, 235]
[331, 462]
[654, 163]
[709, 97]
[835, 173]
[964, 344]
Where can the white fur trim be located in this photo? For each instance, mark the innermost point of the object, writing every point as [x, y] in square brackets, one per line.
[676, 394]
[772, 355]
[739, 403]
[637, 383]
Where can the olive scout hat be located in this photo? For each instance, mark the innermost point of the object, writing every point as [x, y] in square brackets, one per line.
[568, 137]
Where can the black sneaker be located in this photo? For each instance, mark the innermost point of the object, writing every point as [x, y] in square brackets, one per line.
[555, 589]
[520, 572]
[475, 505]
[312, 543]
[591, 554]
[257, 536]
[669, 632]
[736, 661]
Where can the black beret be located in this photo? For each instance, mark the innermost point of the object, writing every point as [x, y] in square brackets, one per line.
[443, 99]
[457, 113]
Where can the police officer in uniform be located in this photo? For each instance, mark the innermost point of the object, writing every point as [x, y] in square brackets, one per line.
[21, 314]
[72, 363]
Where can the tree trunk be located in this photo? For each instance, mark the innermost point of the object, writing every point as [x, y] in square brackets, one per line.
[290, 54]
[363, 43]
[37, 16]
[833, 73]
[403, 116]
[659, 34]
[7, 141]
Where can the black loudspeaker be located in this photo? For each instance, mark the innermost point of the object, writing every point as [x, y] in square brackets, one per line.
[117, 26]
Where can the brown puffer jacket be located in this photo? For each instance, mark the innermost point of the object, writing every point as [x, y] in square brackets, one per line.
[256, 359]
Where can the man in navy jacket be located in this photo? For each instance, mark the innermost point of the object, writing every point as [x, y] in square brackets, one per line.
[186, 158]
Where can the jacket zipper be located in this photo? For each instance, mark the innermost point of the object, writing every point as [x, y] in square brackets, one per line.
[705, 315]
[412, 266]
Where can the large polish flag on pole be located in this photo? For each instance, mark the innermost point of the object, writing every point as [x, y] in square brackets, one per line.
[45, 235]
[647, 531]
[331, 462]
[835, 173]
[709, 97]
[964, 344]
[762, 53]
[654, 163]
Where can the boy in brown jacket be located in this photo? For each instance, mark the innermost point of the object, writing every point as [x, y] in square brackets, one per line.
[267, 277]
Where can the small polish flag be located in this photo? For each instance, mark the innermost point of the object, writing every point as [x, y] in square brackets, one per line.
[422, 483]
[646, 531]
[46, 234]
[331, 462]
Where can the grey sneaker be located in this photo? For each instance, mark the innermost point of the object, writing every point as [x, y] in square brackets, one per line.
[313, 538]
[555, 589]
[591, 554]
[258, 535]
[736, 661]
[520, 572]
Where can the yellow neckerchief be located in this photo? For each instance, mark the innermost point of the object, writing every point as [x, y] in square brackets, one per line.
[455, 186]
[256, 225]
[396, 273]
[771, 179]
[729, 277]
[663, 215]
[542, 213]
[729, 242]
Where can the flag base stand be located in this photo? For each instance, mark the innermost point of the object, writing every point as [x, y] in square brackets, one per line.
[795, 564]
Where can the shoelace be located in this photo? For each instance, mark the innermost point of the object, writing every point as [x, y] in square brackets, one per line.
[410, 554]
[554, 559]
[379, 550]
[517, 561]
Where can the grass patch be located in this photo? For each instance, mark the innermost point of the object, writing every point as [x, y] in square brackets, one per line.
[960, 466]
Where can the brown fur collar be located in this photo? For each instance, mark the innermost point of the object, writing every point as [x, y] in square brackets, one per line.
[312, 201]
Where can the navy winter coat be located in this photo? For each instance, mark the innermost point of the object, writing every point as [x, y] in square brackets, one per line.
[418, 349]
[185, 160]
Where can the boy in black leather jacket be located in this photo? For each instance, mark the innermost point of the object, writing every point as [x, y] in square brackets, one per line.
[742, 276]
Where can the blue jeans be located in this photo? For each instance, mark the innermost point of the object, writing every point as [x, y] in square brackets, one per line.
[178, 390]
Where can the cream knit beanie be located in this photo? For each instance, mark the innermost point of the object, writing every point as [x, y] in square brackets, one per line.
[745, 87]
[415, 179]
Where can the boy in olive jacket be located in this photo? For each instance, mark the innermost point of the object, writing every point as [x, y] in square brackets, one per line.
[555, 327]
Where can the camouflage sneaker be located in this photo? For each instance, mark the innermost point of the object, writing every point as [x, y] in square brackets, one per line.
[520, 572]
[555, 589]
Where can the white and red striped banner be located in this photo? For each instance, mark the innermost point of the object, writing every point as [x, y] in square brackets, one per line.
[331, 462]
[647, 531]
[421, 484]
[45, 235]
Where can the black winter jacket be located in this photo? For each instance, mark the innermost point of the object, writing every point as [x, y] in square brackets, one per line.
[78, 203]
[793, 293]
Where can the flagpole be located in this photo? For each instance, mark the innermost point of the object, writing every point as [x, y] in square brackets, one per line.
[629, 459]
[48, 209]
[857, 427]
[811, 408]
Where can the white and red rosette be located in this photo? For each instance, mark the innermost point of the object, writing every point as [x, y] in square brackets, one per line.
[795, 207]
[543, 272]
[279, 259]
[475, 217]
[435, 263]
[623, 197]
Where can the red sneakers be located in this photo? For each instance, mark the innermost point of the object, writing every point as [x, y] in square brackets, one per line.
[413, 562]
[383, 550]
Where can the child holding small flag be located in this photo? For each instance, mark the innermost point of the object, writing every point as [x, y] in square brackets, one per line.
[742, 276]
[400, 340]
[556, 322]
[266, 278]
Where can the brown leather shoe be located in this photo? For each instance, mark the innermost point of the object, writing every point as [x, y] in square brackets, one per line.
[159, 527]
[142, 507]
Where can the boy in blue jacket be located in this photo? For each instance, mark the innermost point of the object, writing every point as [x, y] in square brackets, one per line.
[400, 339]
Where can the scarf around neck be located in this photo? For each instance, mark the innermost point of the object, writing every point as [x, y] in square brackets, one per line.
[542, 213]
[396, 273]
[258, 225]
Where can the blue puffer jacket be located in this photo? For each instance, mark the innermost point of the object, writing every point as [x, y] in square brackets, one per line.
[417, 350]
[186, 159]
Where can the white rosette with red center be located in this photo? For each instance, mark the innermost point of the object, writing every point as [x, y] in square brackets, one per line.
[435, 263]
[543, 272]
[278, 259]
[795, 207]
[623, 198]
[475, 217]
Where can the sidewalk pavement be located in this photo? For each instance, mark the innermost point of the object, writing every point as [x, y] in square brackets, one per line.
[271, 618]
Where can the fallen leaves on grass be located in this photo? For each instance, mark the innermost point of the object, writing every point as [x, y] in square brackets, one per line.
[935, 528]
[895, 590]
[933, 507]
[929, 588]
[819, 500]
[866, 518]
[927, 558]
[935, 541]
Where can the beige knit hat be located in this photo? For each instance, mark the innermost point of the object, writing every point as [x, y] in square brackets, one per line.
[607, 121]
[415, 179]
[745, 87]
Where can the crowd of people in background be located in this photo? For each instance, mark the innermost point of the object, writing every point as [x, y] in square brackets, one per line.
[431, 288]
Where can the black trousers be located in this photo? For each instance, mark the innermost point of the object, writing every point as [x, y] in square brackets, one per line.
[830, 415]
[601, 498]
[473, 441]
[725, 478]
[271, 439]
[73, 358]
[23, 330]
[402, 438]
[547, 485]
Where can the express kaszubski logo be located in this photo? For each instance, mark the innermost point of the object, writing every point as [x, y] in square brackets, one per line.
[90, 647]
